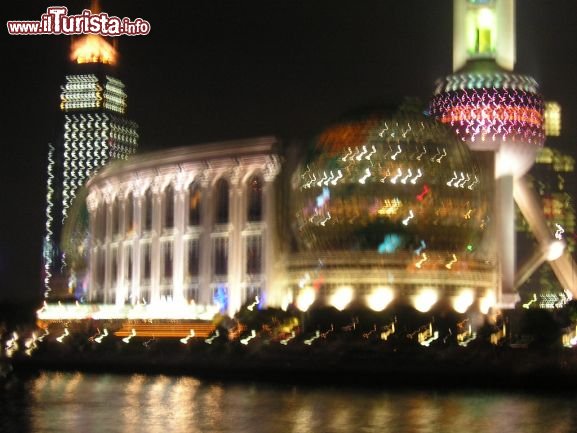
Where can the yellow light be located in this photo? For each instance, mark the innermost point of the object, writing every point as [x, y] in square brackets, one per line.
[485, 18]
[481, 30]
[165, 330]
[132, 334]
[390, 207]
[487, 302]
[305, 299]
[452, 262]
[289, 338]
[463, 300]
[342, 297]
[93, 49]
[421, 261]
[250, 337]
[532, 301]
[286, 301]
[64, 335]
[552, 119]
[101, 336]
[380, 298]
[425, 299]
[161, 310]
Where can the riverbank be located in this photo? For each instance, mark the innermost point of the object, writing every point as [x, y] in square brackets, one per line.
[330, 363]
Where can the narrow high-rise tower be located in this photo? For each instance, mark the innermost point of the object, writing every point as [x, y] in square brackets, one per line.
[500, 115]
[96, 131]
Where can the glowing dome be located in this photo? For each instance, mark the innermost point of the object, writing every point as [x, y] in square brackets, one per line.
[388, 182]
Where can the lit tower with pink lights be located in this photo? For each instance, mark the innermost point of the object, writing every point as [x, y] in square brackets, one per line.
[499, 114]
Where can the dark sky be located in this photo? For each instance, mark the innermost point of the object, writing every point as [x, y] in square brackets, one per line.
[213, 69]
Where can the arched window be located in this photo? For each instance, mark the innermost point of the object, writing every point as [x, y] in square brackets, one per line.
[128, 214]
[220, 256]
[148, 210]
[221, 202]
[253, 255]
[255, 199]
[169, 207]
[193, 258]
[194, 196]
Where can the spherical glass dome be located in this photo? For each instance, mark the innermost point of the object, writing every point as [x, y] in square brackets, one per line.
[388, 181]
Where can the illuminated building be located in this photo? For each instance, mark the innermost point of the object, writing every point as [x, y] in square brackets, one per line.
[500, 114]
[96, 131]
[390, 204]
[182, 233]
[552, 119]
[552, 175]
[385, 205]
[551, 180]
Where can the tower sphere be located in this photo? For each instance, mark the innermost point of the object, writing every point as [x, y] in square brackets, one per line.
[388, 181]
[491, 109]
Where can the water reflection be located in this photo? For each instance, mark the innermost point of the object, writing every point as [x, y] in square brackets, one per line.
[75, 402]
[131, 404]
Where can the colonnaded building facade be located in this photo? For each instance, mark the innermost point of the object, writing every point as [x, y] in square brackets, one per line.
[188, 225]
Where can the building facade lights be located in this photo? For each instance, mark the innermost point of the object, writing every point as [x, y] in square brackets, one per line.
[552, 119]
[195, 226]
[95, 132]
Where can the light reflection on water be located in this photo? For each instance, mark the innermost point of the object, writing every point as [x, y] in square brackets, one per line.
[76, 402]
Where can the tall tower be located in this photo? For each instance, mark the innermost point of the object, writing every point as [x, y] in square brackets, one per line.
[500, 115]
[96, 131]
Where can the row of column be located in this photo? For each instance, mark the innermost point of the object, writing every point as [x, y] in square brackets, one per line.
[129, 284]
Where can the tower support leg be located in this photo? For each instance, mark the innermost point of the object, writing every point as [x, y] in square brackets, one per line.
[505, 214]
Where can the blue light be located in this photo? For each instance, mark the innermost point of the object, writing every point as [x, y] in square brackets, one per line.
[324, 197]
[221, 297]
[390, 244]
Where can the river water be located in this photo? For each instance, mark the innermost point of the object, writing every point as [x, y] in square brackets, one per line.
[85, 403]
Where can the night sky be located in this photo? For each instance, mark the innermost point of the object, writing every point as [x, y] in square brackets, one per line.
[213, 70]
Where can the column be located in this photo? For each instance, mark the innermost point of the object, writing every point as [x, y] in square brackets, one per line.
[157, 193]
[92, 205]
[235, 253]
[180, 219]
[505, 213]
[109, 198]
[121, 289]
[205, 241]
[136, 253]
[273, 293]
